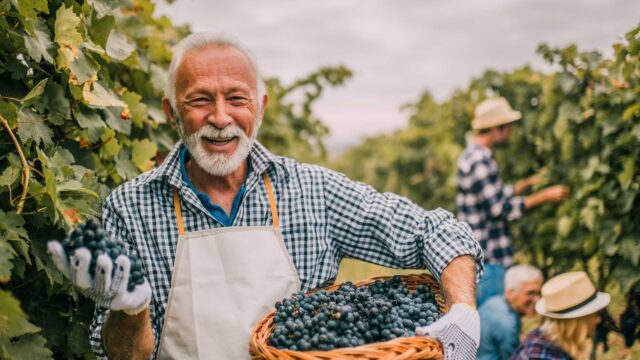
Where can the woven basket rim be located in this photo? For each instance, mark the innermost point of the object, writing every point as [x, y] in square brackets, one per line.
[409, 348]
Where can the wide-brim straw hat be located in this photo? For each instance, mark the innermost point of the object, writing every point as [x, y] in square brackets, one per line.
[494, 112]
[570, 295]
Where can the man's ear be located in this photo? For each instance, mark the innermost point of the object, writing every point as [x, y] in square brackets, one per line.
[263, 107]
[168, 111]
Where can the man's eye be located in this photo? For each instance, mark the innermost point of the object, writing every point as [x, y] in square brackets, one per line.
[238, 100]
[198, 101]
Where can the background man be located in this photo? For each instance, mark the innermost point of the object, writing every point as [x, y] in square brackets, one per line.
[500, 315]
[224, 228]
[487, 204]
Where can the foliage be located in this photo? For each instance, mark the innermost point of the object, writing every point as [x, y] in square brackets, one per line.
[581, 121]
[81, 84]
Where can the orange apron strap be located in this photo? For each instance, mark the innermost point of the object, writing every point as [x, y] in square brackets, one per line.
[176, 206]
[272, 199]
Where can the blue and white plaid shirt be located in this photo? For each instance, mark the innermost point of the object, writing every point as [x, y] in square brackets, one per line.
[486, 204]
[324, 217]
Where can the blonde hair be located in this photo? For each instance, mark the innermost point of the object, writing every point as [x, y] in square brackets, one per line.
[572, 335]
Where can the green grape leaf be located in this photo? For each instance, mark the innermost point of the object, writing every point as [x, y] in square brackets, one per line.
[103, 7]
[100, 30]
[39, 45]
[630, 249]
[56, 103]
[13, 321]
[111, 147]
[6, 263]
[36, 91]
[29, 8]
[626, 176]
[83, 67]
[33, 127]
[125, 167]
[137, 109]
[142, 153]
[90, 120]
[118, 47]
[100, 97]
[9, 112]
[66, 24]
[12, 225]
[9, 176]
[115, 122]
[28, 347]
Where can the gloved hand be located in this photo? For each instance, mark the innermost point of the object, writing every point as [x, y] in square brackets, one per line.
[108, 280]
[458, 331]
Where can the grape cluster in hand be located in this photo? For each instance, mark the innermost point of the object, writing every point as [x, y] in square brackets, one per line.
[91, 236]
[352, 316]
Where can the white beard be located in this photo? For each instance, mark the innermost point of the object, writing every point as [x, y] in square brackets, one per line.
[219, 164]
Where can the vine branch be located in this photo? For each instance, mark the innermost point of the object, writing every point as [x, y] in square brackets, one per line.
[25, 165]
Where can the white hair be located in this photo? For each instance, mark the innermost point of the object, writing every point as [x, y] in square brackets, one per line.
[198, 41]
[517, 275]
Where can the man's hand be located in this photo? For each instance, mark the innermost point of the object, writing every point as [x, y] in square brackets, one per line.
[555, 193]
[458, 331]
[108, 284]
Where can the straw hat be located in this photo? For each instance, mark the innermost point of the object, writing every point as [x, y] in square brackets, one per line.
[569, 296]
[494, 112]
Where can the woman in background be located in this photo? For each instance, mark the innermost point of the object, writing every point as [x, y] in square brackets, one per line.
[569, 305]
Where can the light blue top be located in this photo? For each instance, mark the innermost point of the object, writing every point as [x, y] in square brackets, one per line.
[499, 329]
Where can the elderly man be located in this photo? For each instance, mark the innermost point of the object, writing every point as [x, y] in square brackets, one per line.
[224, 228]
[487, 204]
[500, 315]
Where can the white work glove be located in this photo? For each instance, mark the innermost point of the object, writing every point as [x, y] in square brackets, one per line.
[458, 331]
[107, 286]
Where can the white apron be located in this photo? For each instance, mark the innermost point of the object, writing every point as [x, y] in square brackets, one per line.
[224, 281]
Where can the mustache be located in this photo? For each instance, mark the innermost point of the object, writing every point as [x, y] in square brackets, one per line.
[212, 132]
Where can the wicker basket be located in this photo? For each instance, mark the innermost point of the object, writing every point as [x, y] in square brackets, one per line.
[407, 348]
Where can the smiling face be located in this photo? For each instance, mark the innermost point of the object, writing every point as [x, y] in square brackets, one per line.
[218, 113]
[523, 300]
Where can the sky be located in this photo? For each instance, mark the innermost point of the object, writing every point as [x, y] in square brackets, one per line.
[397, 49]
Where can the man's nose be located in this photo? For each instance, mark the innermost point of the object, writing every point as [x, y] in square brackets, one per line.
[219, 117]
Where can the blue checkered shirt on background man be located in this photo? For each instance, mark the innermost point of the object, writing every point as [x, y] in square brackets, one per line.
[486, 204]
[324, 217]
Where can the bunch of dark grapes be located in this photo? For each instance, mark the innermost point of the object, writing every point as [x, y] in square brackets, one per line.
[93, 237]
[352, 316]
[630, 318]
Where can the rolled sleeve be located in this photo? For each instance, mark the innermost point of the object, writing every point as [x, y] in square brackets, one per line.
[447, 239]
[390, 230]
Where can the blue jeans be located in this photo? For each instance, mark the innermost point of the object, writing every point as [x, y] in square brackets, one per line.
[491, 283]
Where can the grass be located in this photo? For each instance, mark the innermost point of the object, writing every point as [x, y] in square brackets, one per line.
[354, 270]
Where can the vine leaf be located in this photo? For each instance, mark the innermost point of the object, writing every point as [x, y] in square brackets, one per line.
[142, 153]
[36, 91]
[39, 43]
[99, 96]
[33, 128]
[13, 321]
[65, 28]
[118, 47]
[28, 347]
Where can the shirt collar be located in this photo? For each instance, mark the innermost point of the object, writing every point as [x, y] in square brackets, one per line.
[475, 146]
[261, 161]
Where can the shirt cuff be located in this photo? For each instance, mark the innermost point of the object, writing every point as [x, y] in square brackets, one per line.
[451, 239]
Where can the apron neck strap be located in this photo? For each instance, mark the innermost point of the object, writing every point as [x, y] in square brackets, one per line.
[178, 209]
[272, 200]
[272, 203]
